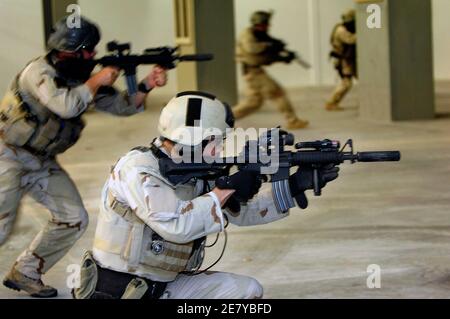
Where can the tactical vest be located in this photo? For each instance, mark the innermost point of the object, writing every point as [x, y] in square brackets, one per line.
[341, 50]
[251, 59]
[126, 244]
[34, 127]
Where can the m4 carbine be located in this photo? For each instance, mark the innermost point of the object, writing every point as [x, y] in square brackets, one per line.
[288, 55]
[313, 154]
[166, 57]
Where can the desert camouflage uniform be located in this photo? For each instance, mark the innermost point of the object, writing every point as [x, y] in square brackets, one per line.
[23, 172]
[344, 46]
[139, 204]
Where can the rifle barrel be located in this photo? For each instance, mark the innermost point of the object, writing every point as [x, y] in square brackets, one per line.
[378, 157]
[339, 157]
[303, 63]
[196, 57]
[295, 159]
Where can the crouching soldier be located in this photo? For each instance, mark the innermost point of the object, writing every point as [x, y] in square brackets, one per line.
[151, 231]
[40, 117]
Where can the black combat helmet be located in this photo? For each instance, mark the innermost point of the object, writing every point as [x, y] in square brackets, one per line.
[71, 36]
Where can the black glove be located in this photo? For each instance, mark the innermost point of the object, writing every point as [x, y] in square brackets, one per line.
[304, 180]
[278, 45]
[246, 185]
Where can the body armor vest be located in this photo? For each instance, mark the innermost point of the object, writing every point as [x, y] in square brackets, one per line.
[124, 243]
[33, 127]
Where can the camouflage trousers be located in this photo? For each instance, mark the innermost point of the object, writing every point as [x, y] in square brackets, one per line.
[46, 182]
[347, 71]
[213, 285]
[261, 87]
[341, 90]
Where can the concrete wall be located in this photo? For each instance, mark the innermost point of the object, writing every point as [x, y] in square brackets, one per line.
[395, 63]
[217, 76]
[374, 74]
[412, 75]
[441, 31]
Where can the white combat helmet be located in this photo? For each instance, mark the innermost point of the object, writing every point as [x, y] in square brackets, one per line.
[191, 117]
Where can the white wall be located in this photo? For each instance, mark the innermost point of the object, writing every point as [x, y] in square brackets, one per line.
[21, 37]
[441, 29]
[144, 23]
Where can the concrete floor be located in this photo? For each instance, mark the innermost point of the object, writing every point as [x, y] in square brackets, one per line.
[392, 215]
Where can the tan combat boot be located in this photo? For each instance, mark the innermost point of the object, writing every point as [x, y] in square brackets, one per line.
[333, 107]
[297, 124]
[35, 288]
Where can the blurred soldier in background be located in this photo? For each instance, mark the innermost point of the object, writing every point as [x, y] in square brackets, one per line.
[343, 41]
[40, 117]
[256, 49]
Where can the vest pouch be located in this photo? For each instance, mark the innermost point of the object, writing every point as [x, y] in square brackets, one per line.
[136, 289]
[167, 256]
[16, 125]
[44, 135]
[132, 250]
[88, 278]
[68, 136]
[197, 257]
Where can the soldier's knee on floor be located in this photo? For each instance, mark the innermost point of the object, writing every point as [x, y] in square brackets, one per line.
[254, 289]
